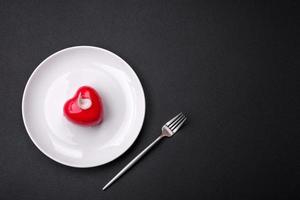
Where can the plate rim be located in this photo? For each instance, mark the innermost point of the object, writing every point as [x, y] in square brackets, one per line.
[30, 80]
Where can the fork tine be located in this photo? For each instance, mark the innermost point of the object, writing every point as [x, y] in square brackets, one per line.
[179, 125]
[173, 119]
[176, 121]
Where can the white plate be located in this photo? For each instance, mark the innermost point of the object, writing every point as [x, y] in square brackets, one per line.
[56, 79]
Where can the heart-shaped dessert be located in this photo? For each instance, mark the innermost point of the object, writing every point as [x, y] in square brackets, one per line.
[85, 108]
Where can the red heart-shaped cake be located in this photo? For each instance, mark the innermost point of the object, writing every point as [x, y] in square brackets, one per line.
[85, 108]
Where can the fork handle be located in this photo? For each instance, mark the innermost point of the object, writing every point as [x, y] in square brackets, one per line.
[129, 165]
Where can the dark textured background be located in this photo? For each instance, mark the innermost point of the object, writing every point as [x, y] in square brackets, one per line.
[231, 66]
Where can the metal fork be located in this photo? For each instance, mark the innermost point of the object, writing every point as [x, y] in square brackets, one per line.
[168, 130]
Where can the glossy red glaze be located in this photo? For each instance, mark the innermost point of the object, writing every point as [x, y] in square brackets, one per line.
[90, 116]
